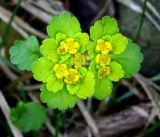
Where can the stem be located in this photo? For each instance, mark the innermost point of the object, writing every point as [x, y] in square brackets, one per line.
[57, 124]
[142, 19]
[8, 27]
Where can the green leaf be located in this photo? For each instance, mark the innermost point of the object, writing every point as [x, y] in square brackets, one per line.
[63, 23]
[103, 88]
[116, 71]
[130, 59]
[41, 69]
[28, 116]
[83, 39]
[106, 26]
[72, 88]
[110, 25]
[86, 86]
[24, 53]
[61, 100]
[96, 31]
[53, 84]
[49, 49]
[119, 43]
[91, 49]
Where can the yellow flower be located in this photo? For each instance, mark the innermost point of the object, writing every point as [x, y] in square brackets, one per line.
[60, 71]
[68, 46]
[103, 47]
[62, 49]
[104, 71]
[72, 77]
[72, 45]
[103, 59]
[78, 60]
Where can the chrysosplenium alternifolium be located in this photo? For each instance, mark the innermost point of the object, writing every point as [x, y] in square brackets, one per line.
[71, 65]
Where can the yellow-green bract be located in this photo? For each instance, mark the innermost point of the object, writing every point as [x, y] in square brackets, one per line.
[73, 66]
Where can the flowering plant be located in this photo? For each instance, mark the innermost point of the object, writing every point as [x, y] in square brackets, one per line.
[73, 66]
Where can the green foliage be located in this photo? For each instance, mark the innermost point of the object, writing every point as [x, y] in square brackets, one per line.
[71, 65]
[64, 23]
[24, 53]
[28, 116]
[61, 100]
[103, 88]
[106, 26]
[130, 59]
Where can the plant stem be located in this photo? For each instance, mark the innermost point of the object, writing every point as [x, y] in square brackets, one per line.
[142, 19]
[8, 27]
[57, 124]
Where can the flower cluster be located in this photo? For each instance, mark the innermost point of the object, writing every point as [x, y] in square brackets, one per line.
[73, 65]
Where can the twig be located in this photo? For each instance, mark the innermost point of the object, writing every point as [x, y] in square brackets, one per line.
[120, 123]
[6, 111]
[32, 87]
[14, 25]
[90, 121]
[153, 10]
[152, 94]
[13, 77]
[22, 24]
[43, 16]
[132, 88]
[7, 71]
[102, 11]
[135, 7]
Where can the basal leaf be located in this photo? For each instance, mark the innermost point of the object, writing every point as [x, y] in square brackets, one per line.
[24, 53]
[28, 116]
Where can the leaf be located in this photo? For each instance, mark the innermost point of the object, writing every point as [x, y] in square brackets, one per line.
[61, 100]
[130, 59]
[119, 43]
[63, 23]
[49, 49]
[41, 69]
[116, 71]
[28, 116]
[103, 88]
[83, 39]
[53, 84]
[110, 25]
[96, 31]
[106, 26]
[86, 86]
[24, 53]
